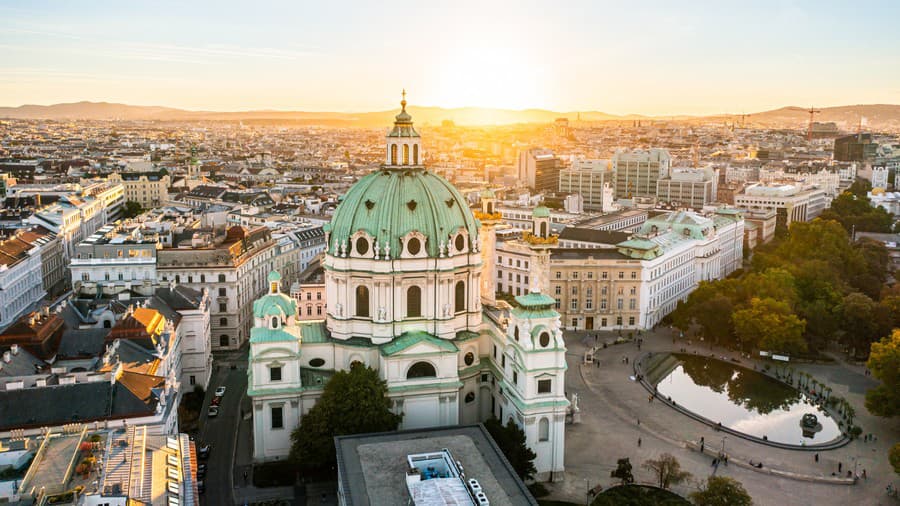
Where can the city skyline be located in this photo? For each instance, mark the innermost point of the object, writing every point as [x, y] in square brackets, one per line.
[652, 59]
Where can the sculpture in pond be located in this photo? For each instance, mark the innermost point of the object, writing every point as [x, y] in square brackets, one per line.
[810, 425]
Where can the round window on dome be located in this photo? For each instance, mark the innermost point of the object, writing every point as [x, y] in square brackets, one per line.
[544, 339]
[469, 359]
[362, 246]
[460, 242]
[470, 397]
[316, 362]
[413, 246]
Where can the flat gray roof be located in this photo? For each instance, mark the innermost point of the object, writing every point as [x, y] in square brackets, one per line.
[372, 467]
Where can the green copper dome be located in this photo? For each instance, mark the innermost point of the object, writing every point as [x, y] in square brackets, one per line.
[541, 212]
[274, 304]
[390, 203]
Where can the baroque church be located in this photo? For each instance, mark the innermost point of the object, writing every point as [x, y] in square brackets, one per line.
[410, 284]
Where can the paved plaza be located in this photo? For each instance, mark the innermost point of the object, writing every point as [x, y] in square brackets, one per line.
[616, 414]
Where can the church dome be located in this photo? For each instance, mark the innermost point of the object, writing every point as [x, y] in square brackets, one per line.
[391, 203]
[402, 210]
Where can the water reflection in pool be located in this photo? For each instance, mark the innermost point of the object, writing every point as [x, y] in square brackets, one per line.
[745, 401]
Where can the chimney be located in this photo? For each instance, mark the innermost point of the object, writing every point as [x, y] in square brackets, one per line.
[37, 200]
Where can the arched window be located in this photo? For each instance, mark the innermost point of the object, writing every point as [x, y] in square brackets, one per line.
[221, 278]
[470, 397]
[413, 302]
[544, 430]
[393, 154]
[490, 208]
[203, 278]
[516, 332]
[223, 340]
[223, 322]
[421, 370]
[362, 301]
[177, 278]
[460, 296]
[362, 246]
[469, 359]
[460, 242]
[544, 229]
[406, 154]
[415, 154]
[274, 322]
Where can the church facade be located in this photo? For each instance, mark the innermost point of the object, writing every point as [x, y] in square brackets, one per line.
[410, 287]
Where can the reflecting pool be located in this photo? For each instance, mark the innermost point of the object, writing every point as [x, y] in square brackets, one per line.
[745, 400]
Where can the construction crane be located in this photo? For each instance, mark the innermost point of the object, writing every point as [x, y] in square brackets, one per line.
[812, 112]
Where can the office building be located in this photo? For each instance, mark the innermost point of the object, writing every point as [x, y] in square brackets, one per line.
[637, 171]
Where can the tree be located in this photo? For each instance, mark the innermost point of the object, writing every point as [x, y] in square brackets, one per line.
[668, 470]
[353, 402]
[511, 440]
[884, 362]
[722, 491]
[623, 472]
[132, 209]
[894, 457]
[770, 325]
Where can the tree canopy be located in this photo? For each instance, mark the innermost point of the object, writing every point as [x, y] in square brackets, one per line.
[667, 469]
[511, 440]
[132, 209]
[884, 362]
[623, 472]
[722, 491]
[353, 402]
[811, 286]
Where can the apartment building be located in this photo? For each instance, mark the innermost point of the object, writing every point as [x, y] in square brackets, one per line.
[688, 188]
[790, 202]
[593, 180]
[637, 171]
[234, 268]
[149, 189]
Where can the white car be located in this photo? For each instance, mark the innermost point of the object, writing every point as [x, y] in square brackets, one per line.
[220, 392]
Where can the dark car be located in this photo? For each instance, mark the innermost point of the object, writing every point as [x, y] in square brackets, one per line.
[201, 471]
[201, 487]
[203, 451]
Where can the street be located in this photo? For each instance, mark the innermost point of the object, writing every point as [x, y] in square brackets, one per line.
[220, 432]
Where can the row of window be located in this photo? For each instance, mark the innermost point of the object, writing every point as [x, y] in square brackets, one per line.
[519, 263]
[590, 275]
[413, 300]
[589, 291]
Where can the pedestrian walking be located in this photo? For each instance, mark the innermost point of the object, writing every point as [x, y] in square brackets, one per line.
[726, 460]
[639, 422]
[840, 465]
[702, 439]
[817, 458]
[245, 477]
[864, 475]
[639, 442]
[714, 462]
[702, 444]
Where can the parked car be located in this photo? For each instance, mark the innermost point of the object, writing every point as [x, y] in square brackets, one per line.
[201, 471]
[203, 451]
[213, 412]
[201, 487]
[220, 392]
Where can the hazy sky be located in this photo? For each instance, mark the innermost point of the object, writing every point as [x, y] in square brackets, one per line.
[651, 57]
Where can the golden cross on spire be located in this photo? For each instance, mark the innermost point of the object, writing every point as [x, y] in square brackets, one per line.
[403, 102]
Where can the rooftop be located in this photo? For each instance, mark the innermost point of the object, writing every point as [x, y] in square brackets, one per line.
[372, 468]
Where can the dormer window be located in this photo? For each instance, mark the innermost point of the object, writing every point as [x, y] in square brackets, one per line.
[362, 246]
[275, 322]
[413, 246]
[460, 242]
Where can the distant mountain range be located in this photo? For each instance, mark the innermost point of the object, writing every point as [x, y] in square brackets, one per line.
[877, 115]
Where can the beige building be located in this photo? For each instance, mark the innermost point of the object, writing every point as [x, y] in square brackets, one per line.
[596, 289]
[149, 189]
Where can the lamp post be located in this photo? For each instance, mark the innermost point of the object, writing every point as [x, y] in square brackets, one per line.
[723, 445]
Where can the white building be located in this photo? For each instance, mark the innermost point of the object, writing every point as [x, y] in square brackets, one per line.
[21, 275]
[406, 272]
[637, 171]
[789, 201]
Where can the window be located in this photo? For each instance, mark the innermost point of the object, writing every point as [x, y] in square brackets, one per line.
[469, 359]
[362, 246]
[413, 302]
[460, 296]
[574, 274]
[631, 320]
[223, 322]
[604, 275]
[318, 295]
[308, 310]
[421, 370]
[515, 378]
[633, 275]
[544, 386]
[362, 301]
[192, 379]
[316, 362]
[393, 154]
[223, 340]
[603, 321]
[619, 303]
[621, 275]
[203, 278]
[274, 322]
[85, 276]
[221, 278]
[558, 304]
[223, 292]
[557, 290]
[516, 332]
[460, 242]
[619, 321]
[308, 295]
[558, 275]
[602, 303]
[121, 277]
[632, 304]
[544, 339]
[275, 373]
[415, 154]
[406, 154]
[574, 290]
[544, 430]
[413, 246]
[318, 310]
[470, 397]
[574, 304]
[223, 307]
[590, 275]
[277, 417]
[589, 304]
[518, 263]
[190, 279]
